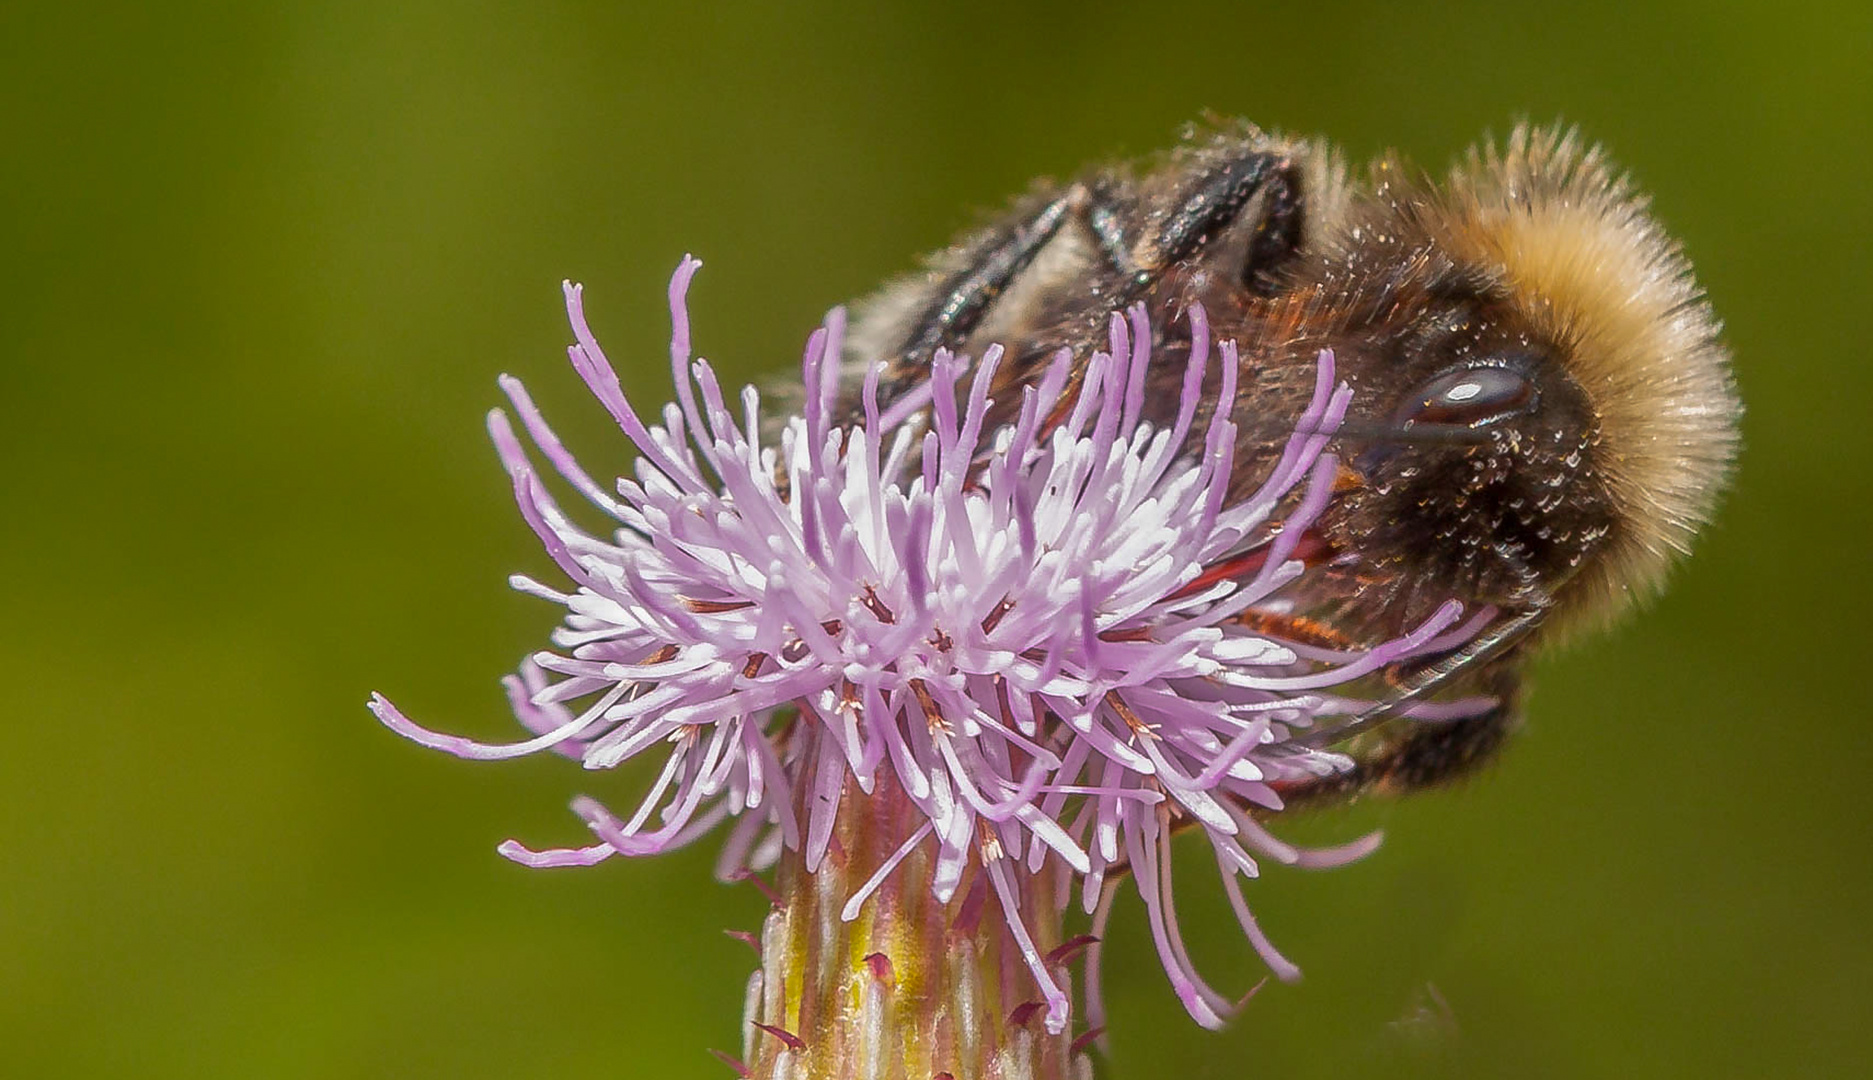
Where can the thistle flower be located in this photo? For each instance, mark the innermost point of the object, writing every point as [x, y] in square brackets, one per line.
[1013, 630]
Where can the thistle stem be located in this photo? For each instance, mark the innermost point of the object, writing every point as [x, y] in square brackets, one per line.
[910, 988]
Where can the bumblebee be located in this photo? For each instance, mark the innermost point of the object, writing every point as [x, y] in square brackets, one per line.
[1543, 412]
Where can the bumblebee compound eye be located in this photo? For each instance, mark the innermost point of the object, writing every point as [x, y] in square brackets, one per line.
[1471, 397]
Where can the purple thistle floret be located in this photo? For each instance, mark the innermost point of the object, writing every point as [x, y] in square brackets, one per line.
[1009, 622]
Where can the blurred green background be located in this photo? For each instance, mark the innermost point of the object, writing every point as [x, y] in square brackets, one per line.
[263, 263]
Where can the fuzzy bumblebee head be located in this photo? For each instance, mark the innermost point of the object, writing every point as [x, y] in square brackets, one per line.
[1548, 411]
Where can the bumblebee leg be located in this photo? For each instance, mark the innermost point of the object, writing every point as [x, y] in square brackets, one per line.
[1295, 628]
[1214, 203]
[1437, 754]
[965, 298]
[1169, 226]
[1428, 753]
[1208, 206]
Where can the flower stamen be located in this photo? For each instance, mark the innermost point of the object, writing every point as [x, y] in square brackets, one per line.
[715, 607]
[1139, 728]
[877, 607]
[933, 715]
